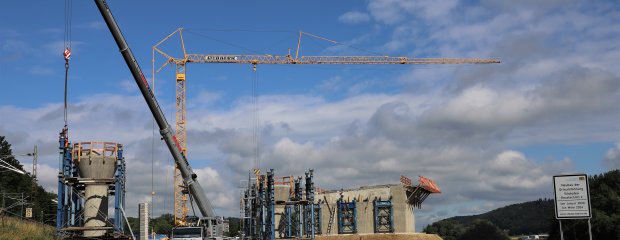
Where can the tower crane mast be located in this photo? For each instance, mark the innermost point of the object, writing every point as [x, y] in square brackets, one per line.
[180, 200]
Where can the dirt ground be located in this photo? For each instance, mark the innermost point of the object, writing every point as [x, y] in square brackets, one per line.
[383, 236]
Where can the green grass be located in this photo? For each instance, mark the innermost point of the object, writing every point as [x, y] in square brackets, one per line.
[13, 228]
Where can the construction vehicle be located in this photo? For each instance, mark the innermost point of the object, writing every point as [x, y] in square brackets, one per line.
[180, 66]
[208, 225]
[198, 229]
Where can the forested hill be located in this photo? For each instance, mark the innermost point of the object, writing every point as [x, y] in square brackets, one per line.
[522, 218]
[14, 186]
[539, 216]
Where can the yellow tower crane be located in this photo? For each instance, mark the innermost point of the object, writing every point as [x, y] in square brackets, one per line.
[180, 196]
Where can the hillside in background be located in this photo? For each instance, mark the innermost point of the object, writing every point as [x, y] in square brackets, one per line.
[539, 216]
[14, 186]
[605, 200]
[519, 219]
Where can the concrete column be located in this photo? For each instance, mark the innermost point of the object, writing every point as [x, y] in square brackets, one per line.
[96, 192]
[95, 209]
[144, 220]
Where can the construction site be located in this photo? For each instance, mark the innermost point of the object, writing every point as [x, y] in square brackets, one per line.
[92, 180]
[293, 208]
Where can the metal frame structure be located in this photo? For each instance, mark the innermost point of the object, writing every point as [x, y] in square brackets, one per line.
[300, 218]
[383, 216]
[70, 205]
[249, 212]
[269, 59]
[175, 148]
[309, 212]
[119, 191]
[347, 216]
[180, 190]
[312, 211]
[331, 211]
[417, 194]
[259, 208]
[270, 204]
[11, 201]
[180, 204]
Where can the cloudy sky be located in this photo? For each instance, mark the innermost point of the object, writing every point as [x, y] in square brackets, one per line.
[489, 135]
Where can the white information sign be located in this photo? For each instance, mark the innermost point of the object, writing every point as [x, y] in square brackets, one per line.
[572, 196]
[29, 212]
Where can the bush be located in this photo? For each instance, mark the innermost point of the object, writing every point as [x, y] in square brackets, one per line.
[484, 230]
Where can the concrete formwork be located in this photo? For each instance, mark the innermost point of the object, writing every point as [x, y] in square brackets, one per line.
[282, 193]
[403, 218]
[99, 172]
[403, 214]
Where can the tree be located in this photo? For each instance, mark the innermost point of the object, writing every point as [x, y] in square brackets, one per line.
[448, 230]
[484, 230]
[12, 182]
[163, 224]
[605, 200]
[134, 224]
[234, 226]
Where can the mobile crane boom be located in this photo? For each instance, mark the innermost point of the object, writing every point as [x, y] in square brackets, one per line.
[188, 175]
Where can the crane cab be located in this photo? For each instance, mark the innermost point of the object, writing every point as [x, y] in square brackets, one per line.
[200, 229]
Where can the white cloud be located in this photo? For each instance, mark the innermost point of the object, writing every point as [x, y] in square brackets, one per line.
[41, 71]
[95, 25]
[394, 11]
[354, 17]
[389, 11]
[558, 83]
[612, 158]
[363, 139]
[56, 48]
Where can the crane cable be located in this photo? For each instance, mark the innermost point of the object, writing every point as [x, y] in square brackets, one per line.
[256, 118]
[67, 51]
[152, 210]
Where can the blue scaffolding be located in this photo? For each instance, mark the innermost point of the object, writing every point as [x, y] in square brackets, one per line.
[70, 203]
[270, 208]
[300, 213]
[383, 216]
[119, 192]
[259, 208]
[347, 216]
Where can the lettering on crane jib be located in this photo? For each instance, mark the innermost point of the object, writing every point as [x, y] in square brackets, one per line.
[221, 58]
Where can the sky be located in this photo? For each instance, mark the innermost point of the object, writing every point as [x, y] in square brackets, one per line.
[489, 135]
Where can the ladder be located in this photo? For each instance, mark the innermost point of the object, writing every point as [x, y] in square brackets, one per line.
[331, 216]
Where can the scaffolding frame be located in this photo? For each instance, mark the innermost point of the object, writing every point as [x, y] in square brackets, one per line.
[347, 216]
[70, 198]
[298, 219]
[383, 216]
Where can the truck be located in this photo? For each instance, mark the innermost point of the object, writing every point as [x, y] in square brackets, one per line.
[209, 225]
[202, 228]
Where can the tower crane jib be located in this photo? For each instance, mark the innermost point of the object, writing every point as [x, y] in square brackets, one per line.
[181, 79]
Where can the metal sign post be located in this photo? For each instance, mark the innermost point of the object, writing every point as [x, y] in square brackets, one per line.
[572, 199]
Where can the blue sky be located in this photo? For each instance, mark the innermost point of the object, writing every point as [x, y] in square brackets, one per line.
[490, 135]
